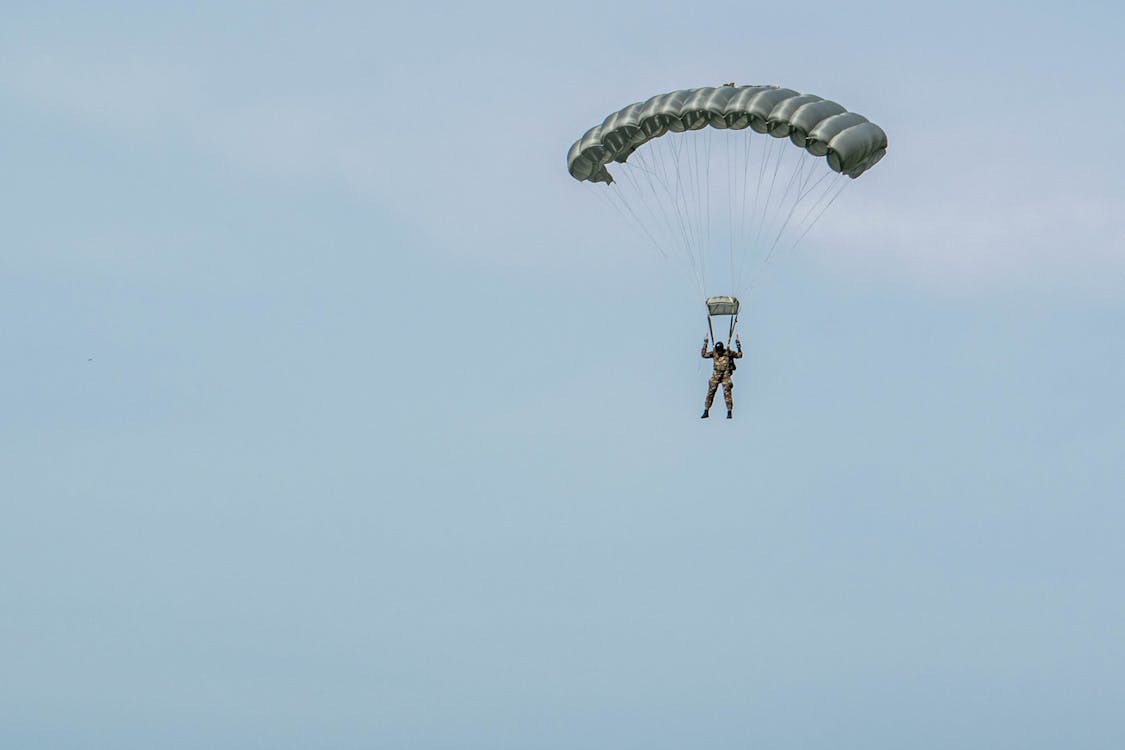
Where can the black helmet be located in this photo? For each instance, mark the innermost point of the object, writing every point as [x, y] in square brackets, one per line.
[719, 346]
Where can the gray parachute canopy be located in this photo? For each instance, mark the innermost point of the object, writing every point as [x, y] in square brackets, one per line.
[850, 142]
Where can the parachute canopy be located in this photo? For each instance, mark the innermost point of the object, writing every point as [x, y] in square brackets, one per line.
[720, 199]
[851, 143]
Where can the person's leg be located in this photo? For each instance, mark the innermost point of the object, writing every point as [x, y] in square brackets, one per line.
[712, 389]
[728, 394]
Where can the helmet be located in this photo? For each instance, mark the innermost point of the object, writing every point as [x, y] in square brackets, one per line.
[719, 346]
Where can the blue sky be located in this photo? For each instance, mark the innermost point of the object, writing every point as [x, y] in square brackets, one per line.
[390, 439]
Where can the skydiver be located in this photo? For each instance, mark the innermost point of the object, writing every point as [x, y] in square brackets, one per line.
[724, 367]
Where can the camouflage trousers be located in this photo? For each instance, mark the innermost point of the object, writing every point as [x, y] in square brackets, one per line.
[713, 387]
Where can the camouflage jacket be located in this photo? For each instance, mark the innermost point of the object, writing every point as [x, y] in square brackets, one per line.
[724, 363]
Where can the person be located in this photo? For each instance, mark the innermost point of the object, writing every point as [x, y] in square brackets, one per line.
[724, 367]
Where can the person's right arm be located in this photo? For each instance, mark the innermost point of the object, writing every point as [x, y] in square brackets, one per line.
[704, 353]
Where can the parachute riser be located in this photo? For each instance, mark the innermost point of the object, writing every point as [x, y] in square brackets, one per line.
[730, 333]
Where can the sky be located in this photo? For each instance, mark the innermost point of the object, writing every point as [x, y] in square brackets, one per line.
[337, 415]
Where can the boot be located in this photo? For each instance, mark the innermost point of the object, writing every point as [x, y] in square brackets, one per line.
[705, 414]
[729, 415]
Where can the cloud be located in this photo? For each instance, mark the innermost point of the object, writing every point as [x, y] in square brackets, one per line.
[299, 134]
[993, 215]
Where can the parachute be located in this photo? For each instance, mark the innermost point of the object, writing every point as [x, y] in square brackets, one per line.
[699, 186]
